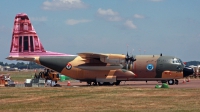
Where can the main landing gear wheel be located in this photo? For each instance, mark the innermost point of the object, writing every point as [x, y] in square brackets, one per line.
[176, 82]
[105, 83]
[100, 83]
[94, 84]
[111, 83]
[171, 82]
[117, 83]
[164, 81]
[108, 83]
[89, 83]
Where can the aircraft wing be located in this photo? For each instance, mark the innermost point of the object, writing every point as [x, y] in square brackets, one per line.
[92, 55]
[99, 61]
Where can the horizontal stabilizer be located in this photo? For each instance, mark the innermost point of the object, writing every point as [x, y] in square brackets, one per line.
[21, 58]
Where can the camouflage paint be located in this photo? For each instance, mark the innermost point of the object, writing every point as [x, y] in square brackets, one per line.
[26, 46]
[56, 62]
[139, 68]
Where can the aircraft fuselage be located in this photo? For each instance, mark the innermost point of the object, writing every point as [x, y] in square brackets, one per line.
[146, 67]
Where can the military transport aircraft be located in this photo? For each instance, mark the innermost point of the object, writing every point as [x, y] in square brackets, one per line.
[96, 68]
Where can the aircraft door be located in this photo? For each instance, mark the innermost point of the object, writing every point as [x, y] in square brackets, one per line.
[160, 67]
[159, 70]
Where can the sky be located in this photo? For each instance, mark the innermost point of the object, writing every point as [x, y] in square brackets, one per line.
[170, 27]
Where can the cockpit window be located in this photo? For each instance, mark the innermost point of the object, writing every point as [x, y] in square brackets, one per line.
[176, 61]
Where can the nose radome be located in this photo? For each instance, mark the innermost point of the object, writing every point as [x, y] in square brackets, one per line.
[187, 71]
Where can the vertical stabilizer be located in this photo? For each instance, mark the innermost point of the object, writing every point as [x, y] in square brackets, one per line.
[25, 41]
[24, 37]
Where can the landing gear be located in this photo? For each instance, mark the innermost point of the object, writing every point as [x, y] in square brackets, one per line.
[89, 83]
[111, 83]
[117, 83]
[105, 83]
[164, 81]
[176, 82]
[171, 82]
[100, 83]
[94, 83]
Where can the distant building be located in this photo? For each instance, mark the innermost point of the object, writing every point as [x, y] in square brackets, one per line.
[1, 68]
[7, 68]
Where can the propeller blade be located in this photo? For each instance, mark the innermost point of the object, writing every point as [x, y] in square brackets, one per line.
[127, 66]
[129, 60]
[132, 59]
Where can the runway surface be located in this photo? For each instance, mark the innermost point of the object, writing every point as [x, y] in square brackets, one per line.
[193, 83]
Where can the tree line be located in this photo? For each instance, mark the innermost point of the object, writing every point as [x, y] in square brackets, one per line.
[195, 63]
[22, 65]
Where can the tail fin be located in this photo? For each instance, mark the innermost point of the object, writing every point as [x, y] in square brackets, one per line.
[24, 37]
[25, 42]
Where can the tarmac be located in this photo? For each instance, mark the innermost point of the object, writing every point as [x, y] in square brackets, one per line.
[193, 83]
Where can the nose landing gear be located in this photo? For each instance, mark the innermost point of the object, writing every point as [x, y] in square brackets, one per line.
[173, 81]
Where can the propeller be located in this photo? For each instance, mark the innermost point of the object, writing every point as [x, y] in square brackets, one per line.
[129, 60]
[132, 59]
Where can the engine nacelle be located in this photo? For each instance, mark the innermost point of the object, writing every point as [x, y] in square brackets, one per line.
[114, 59]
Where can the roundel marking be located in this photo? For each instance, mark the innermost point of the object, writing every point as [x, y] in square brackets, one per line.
[150, 67]
[68, 66]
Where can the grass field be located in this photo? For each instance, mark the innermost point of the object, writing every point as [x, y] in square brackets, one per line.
[96, 98]
[103, 99]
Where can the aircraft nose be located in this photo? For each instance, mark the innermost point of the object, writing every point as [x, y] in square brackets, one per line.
[187, 71]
